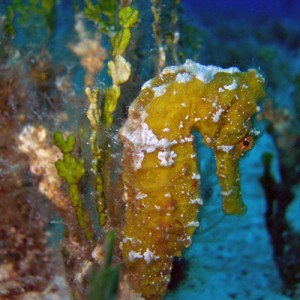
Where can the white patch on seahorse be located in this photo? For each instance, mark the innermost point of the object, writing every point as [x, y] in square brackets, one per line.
[147, 84]
[232, 86]
[192, 224]
[183, 77]
[187, 139]
[225, 148]
[140, 196]
[157, 207]
[125, 239]
[143, 140]
[159, 90]
[139, 159]
[149, 256]
[133, 255]
[196, 176]
[170, 70]
[205, 73]
[166, 158]
[196, 201]
[227, 193]
[216, 116]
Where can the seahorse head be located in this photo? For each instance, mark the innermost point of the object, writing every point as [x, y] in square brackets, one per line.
[238, 95]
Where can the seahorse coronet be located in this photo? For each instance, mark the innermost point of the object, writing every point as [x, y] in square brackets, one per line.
[160, 171]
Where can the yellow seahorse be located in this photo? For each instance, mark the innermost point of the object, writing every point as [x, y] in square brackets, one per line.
[161, 177]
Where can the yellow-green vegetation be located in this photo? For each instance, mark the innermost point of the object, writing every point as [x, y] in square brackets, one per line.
[105, 14]
[22, 11]
[127, 18]
[160, 171]
[71, 169]
[104, 282]
[111, 97]
[9, 28]
[94, 116]
[119, 68]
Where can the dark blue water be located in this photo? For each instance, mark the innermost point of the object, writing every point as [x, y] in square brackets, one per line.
[279, 8]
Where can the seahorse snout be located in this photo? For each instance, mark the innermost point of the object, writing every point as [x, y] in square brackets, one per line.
[229, 178]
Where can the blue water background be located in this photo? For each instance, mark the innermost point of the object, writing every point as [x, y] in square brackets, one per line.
[267, 8]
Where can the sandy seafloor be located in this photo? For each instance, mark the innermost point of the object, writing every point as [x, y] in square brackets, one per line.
[233, 259]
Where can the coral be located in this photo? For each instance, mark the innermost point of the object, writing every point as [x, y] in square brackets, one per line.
[90, 51]
[32, 141]
[160, 172]
[26, 263]
[28, 266]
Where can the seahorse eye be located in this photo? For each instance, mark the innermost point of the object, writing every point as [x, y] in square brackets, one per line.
[246, 143]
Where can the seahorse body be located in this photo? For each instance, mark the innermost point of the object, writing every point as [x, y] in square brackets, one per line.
[160, 176]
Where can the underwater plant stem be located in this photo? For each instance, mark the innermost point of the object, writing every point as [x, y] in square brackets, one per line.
[109, 247]
[173, 38]
[81, 214]
[71, 169]
[104, 283]
[100, 200]
[156, 11]
[94, 116]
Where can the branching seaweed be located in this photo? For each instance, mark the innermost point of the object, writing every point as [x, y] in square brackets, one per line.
[118, 27]
[71, 169]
